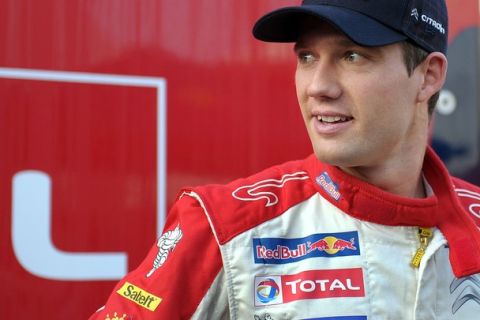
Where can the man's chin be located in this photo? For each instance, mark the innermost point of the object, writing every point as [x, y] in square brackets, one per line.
[336, 158]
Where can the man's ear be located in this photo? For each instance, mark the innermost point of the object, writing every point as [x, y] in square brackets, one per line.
[434, 70]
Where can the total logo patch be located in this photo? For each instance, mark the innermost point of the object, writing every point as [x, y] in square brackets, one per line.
[312, 284]
[139, 296]
[268, 290]
[281, 250]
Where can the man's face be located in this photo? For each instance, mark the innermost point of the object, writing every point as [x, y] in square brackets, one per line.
[358, 103]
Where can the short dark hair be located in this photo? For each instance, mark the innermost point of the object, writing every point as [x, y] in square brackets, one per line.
[413, 56]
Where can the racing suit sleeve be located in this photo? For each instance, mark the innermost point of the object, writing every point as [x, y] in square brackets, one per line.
[181, 277]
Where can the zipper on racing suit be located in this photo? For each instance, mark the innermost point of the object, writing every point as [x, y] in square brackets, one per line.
[424, 235]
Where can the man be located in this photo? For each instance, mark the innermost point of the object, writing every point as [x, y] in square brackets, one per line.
[369, 227]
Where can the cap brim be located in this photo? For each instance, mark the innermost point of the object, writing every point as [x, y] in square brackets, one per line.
[285, 25]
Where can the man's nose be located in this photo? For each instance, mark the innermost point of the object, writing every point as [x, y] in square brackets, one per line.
[324, 81]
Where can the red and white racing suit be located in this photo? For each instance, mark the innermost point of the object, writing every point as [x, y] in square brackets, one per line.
[304, 240]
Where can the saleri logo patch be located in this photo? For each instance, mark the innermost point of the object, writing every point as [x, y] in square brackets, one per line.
[281, 250]
[139, 296]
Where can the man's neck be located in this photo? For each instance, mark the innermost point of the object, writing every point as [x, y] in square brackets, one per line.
[401, 176]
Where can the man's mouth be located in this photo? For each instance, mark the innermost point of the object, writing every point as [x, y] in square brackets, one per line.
[333, 119]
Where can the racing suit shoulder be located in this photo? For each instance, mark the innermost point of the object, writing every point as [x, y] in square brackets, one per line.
[245, 203]
[177, 275]
[469, 196]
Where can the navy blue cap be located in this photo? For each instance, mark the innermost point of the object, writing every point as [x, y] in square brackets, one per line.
[366, 22]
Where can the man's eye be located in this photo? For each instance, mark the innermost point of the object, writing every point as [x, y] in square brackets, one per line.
[305, 57]
[352, 56]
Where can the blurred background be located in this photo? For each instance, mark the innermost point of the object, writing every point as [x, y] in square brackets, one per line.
[109, 107]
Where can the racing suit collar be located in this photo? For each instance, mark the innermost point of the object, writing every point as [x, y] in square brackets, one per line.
[366, 202]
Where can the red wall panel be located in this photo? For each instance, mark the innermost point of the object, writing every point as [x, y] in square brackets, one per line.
[111, 151]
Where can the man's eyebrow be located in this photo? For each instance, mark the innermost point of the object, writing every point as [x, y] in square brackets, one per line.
[345, 42]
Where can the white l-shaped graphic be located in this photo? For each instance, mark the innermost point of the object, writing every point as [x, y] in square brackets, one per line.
[31, 194]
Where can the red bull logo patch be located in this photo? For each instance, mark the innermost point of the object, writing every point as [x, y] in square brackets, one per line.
[332, 245]
[328, 185]
[329, 245]
[311, 284]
